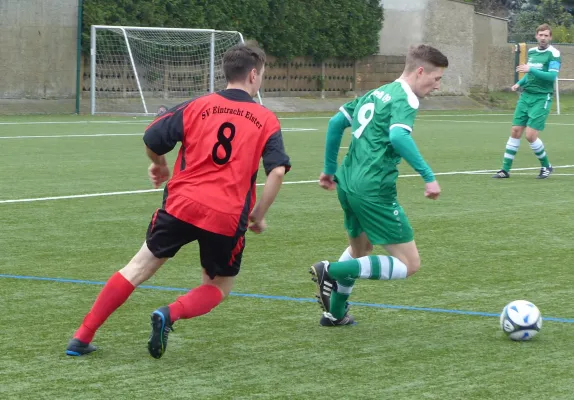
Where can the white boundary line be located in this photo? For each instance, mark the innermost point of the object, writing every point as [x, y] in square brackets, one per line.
[428, 118]
[484, 122]
[523, 173]
[80, 196]
[424, 115]
[119, 134]
[72, 122]
[118, 122]
[87, 122]
[73, 135]
[465, 115]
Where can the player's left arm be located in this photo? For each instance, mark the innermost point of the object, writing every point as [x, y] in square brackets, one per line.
[404, 144]
[403, 114]
[546, 76]
[276, 163]
[553, 69]
[274, 154]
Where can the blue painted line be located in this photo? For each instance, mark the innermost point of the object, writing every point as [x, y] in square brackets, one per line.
[283, 298]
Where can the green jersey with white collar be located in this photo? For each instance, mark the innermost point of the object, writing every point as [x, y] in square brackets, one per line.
[370, 166]
[547, 60]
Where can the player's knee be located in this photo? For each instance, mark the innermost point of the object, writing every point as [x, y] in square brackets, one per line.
[369, 248]
[516, 132]
[142, 266]
[278, 172]
[224, 289]
[138, 271]
[223, 283]
[413, 265]
[531, 135]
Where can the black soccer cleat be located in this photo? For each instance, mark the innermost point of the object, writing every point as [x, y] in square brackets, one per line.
[160, 328]
[325, 285]
[77, 348]
[545, 172]
[502, 174]
[328, 320]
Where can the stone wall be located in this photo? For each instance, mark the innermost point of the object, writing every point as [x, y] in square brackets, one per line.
[38, 49]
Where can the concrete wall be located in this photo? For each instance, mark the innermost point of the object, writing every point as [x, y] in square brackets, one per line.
[475, 44]
[374, 71]
[403, 24]
[449, 27]
[500, 68]
[38, 48]
[493, 57]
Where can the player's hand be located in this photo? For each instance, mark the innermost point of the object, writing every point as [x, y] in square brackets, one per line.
[256, 225]
[523, 68]
[432, 190]
[514, 88]
[327, 182]
[158, 174]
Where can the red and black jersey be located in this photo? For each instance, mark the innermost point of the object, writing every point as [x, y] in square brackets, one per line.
[223, 137]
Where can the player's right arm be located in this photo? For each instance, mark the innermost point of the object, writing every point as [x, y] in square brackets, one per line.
[160, 137]
[520, 83]
[337, 125]
[335, 130]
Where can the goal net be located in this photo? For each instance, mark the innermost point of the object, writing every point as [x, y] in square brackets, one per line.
[135, 70]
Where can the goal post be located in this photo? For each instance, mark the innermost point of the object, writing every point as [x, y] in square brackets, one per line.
[566, 84]
[135, 70]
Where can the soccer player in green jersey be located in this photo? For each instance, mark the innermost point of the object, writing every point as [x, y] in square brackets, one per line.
[381, 121]
[533, 106]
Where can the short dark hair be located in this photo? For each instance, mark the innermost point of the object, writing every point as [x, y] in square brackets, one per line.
[425, 54]
[240, 59]
[544, 27]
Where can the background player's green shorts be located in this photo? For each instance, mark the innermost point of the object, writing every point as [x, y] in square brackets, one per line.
[532, 110]
[382, 222]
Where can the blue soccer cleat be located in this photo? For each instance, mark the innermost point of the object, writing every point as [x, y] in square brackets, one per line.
[160, 328]
[77, 348]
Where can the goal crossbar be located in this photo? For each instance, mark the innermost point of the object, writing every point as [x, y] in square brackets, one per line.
[151, 28]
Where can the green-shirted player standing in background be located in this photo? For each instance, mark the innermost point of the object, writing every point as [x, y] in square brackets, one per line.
[534, 104]
[381, 121]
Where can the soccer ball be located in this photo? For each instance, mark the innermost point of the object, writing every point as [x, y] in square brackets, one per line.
[521, 320]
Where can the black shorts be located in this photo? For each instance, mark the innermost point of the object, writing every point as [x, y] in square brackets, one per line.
[220, 255]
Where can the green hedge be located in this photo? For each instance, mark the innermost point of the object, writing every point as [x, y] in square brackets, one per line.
[322, 29]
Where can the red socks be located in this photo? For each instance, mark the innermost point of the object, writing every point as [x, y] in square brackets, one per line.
[196, 302]
[115, 292]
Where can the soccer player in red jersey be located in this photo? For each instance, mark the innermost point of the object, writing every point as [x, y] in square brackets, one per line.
[209, 199]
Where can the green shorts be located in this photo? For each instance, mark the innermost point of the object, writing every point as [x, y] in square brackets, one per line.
[383, 222]
[532, 110]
